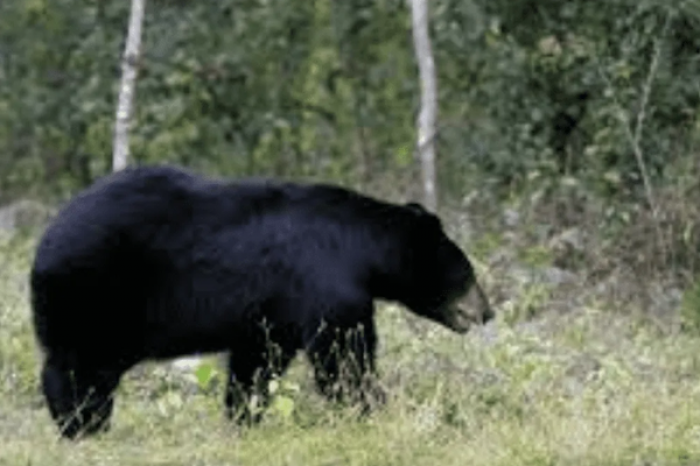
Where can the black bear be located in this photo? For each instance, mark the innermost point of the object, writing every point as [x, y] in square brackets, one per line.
[152, 263]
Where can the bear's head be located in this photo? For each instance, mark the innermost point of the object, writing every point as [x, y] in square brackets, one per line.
[441, 282]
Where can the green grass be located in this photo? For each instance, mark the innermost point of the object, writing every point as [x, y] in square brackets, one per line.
[589, 388]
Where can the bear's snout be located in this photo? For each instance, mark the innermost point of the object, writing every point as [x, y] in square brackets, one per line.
[471, 308]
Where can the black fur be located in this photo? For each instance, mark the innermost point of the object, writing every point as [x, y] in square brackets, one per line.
[156, 262]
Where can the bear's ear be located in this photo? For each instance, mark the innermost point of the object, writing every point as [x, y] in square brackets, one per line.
[416, 207]
[426, 220]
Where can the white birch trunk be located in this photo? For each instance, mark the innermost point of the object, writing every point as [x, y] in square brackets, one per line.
[428, 112]
[127, 87]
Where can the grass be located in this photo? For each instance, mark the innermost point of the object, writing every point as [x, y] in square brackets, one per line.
[589, 387]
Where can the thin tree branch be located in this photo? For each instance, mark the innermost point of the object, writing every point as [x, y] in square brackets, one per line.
[635, 135]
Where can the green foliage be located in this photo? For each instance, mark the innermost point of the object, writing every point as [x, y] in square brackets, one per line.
[528, 92]
[206, 374]
[554, 79]
[239, 87]
[18, 354]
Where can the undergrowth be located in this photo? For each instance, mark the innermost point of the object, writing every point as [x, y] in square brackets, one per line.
[545, 384]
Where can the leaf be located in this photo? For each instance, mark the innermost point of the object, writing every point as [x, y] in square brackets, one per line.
[284, 406]
[205, 373]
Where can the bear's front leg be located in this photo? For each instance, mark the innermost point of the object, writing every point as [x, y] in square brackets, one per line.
[80, 398]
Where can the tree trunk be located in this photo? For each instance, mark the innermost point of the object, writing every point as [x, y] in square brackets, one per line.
[127, 87]
[428, 111]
